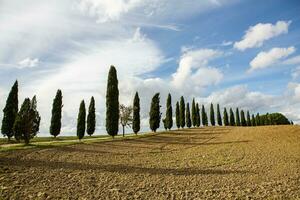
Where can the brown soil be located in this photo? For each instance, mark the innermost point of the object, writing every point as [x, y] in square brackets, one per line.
[205, 163]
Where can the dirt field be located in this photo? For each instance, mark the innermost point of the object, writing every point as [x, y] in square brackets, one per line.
[205, 163]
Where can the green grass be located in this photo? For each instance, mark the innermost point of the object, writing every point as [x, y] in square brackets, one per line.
[49, 142]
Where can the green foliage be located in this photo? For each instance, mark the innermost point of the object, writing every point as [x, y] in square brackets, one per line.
[204, 116]
[188, 116]
[194, 113]
[55, 125]
[275, 118]
[27, 121]
[237, 117]
[248, 119]
[91, 118]
[219, 118]
[81, 121]
[165, 124]
[243, 119]
[198, 119]
[257, 119]
[225, 117]
[212, 115]
[182, 112]
[231, 118]
[253, 121]
[177, 115]
[169, 113]
[112, 103]
[136, 123]
[125, 117]
[10, 112]
[155, 114]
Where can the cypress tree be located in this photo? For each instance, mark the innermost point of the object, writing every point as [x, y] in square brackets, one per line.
[27, 121]
[198, 120]
[194, 114]
[219, 118]
[182, 112]
[231, 118]
[81, 121]
[55, 125]
[169, 113]
[91, 118]
[136, 123]
[248, 119]
[204, 116]
[188, 116]
[212, 115]
[35, 116]
[253, 121]
[155, 114]
[112, 103]
[10, 112]
[243, 119]
[177, 115]
[257, 119]
[165, 124]
[225, 117]
[237, 117]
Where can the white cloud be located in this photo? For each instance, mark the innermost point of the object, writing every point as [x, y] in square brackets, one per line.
[256, 35]
[293, 60]
[241, 96]
[265, 59]
[113, 10]
[28, 63]
[227, 43]
[295, 73]
[193, 65]
[106, 10]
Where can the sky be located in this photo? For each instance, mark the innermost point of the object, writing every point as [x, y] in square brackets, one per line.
[238, 53]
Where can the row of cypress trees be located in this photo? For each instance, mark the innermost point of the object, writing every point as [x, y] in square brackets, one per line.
[184, 116]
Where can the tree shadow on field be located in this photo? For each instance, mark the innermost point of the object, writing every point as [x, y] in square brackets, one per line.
[118, 168]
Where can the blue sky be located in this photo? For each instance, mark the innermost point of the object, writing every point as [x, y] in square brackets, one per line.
[233, 52]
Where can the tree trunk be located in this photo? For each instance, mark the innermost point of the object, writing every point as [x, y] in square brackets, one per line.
[123, 131]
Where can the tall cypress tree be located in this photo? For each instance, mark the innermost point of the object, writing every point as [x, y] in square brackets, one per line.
[257, 119]
[182, 112]
[198, 119]
[169, 113]
[136, 122]
[10, 112]
[55, 125]
[212, 115]
[225, 117]
[112, 103]
[204, 116]
[81, 120]
[155, 114]
[194, 113]
[243, 119]
[237, 117]
[177, 115]
[219, 118]
[91, 118]
[188, 116]
[248, 118]
[253, 121]
[231, 118]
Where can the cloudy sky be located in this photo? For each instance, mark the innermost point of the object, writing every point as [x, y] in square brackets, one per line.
[242, 53]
